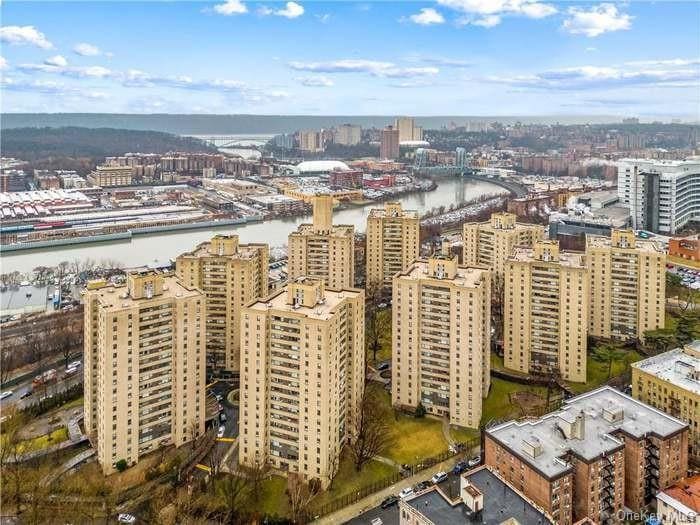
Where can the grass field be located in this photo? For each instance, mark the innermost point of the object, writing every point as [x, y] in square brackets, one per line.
[273, 499]
[348, 480]
[498, 406]
[597, 372]
[30, 445]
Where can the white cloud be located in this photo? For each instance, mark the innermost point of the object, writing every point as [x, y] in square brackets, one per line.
[487, 21]
[315, 81]
[86, 50]
[57, 60]
[290, 10]
[599, 19]
[489, 13]
[324, 18]
[3, 63]
[427, 16]
[657, 73]
[69, 71]
[372, 67]
[231, 7]
[21, 35]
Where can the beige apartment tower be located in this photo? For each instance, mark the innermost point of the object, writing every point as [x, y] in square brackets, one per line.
[144, 366]
[323, 250]
[230, 275]
[546, 311]
[491, 243]
[628, 285]
[302, 377]
[393, 242]
[441, 326]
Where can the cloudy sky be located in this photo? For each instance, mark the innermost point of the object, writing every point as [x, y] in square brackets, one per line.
[450, 57]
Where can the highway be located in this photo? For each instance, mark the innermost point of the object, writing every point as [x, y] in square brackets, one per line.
[20, 399]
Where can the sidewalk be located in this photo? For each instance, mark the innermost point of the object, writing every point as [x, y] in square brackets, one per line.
[371, 501]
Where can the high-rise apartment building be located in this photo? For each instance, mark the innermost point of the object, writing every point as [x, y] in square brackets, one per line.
[144, 366]
[602, 452]
[311, 141]
[546, 311]
[407, 129]
[302, 377]
[627, 285]
[661, 194]
[323, 250]
[671, 382]
[389, 143]
[441, 332]
[393, 242]
[491, 243]
[230, 275]
[347, 135]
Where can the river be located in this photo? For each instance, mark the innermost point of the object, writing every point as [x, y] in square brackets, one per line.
[144, 249]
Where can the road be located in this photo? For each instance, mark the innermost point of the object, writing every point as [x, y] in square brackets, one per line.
[20, 390]
[390, 516]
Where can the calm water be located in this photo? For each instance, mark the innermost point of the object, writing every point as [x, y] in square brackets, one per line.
[143, 249]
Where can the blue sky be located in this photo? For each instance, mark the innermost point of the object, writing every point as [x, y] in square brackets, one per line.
[449, 57]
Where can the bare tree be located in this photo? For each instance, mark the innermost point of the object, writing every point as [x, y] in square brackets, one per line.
[235, 493]
[372, 435]
[13, 473]
[256, 474]
[300, 496]
[497, 304]
[377, 323]
[214, 460]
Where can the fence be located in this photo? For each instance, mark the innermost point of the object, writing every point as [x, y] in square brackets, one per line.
[410, 470]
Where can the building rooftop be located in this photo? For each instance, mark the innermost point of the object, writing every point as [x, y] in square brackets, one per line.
[271, 199]
[337, 230]
[645, 245]
[680, 367]
[671, 167]
[117, 297]
[320, 166]
[605, 412]
[243, 251]
[468, 276]
[501, 503]
[570, 259]
[392, 210]
[323, 310]
[683, 496]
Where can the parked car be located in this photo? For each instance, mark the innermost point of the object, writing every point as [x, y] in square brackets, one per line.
[474, 461]
[222, 417]
[221, 431]
[26, 394]
[6, 394]
[438, 478]
[390, 501]
[406, 493]
[377, 521]
[383, 366]
[460, 467]
[126, 518]
[420, 486]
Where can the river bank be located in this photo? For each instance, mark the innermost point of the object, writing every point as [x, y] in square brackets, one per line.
[161, 247]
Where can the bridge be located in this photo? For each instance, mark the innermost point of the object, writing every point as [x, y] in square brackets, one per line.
[232, 141]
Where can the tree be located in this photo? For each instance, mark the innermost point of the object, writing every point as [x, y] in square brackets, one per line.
[234, 492]
[121, 465]
[13, 472]
[497, 304]
[420, 410]
[256, 475]
[372, 434]
[300, 495]
[685, 329]
[377, 322]
[608, 353]
[658, 341]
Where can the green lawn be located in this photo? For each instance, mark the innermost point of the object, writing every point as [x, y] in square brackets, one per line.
[384, 352]
[57, 436]
[273, 499]
[463, 435]
[348, 480]
[597, 372]
[498, 406]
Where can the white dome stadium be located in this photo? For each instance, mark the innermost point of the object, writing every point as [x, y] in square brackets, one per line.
[320, 166]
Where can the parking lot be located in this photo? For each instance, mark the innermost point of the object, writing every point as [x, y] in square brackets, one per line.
[689, 277]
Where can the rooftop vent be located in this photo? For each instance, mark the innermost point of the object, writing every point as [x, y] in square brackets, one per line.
[532, 446]
[613, 414]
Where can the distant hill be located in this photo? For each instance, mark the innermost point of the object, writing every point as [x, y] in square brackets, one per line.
[33, 144]
[258, 124]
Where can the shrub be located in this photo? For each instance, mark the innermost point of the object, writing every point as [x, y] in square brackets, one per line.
[121, 465]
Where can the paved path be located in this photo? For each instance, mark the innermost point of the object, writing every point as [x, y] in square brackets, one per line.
[71, 463]
[371, 501]
[446, 432]
[387, 461]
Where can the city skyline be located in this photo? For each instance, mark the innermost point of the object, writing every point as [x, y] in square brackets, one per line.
[446, 57]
